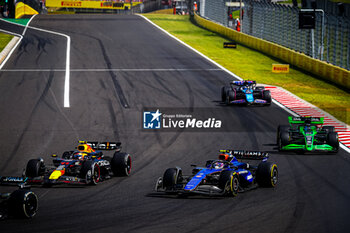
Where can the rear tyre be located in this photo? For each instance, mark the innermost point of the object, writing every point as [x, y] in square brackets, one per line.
[90, 171]
[267, 174]
[35, 168]
[229, 182]
[267, 97]
[224, 91]
[328, 129]
[23, 203]
[259, 88]
[67, 155]
[121, 164]
[171, 177]
[333, 140]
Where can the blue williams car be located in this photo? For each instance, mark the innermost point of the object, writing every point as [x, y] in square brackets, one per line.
[245, 92]
[223, 177]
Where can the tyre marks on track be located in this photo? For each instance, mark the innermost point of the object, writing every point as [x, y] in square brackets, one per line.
[113, 75]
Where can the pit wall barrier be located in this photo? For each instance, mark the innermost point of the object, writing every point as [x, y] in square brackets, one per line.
[326, 71]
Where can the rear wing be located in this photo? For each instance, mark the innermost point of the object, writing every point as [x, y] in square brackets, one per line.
[249, 155]
[306, 120]
[102, 145]
[243, 83]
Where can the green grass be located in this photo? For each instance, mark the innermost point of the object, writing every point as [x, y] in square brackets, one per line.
[251, 64]
[4, 40]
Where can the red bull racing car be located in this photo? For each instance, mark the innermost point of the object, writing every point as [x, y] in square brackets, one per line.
[85, 165]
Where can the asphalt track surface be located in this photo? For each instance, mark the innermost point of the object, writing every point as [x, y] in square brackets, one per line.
[313, 193]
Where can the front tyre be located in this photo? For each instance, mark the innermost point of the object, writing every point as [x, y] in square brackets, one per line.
[282, 128]
[283, 140]
[35, 168]
[171, 177]
[23, 203]
[229, 183]
[121, 164]
[90, 171]
[267, 97]
[333, 140]
[224, 91]
[267, 174]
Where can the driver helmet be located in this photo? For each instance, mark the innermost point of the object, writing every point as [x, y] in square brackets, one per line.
[307, 127]
[218, 165]
[79, 155]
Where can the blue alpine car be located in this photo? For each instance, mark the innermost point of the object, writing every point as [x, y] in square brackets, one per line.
[223, 177]
[245, 92]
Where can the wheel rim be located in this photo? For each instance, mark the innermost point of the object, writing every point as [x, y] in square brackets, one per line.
[96, 174]
[128, 165]
[30, 204]
[274, 176]
[234, 185]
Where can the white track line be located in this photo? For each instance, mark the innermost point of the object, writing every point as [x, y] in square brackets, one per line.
[67, 70]
[67, 74]
[14, 47]
[194, 50]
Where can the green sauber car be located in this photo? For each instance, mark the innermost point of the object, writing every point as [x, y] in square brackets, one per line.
[307, 134]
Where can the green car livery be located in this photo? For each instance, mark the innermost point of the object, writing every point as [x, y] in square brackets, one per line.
[307, 134]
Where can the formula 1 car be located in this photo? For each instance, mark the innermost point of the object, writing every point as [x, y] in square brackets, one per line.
[85, 165]
[307, 134]
[245, 92]
[21, 203]
[223, 177]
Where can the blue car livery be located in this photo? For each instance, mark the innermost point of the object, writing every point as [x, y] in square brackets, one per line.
[227, 175]
[245, 92]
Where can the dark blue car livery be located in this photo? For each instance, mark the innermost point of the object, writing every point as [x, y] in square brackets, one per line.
[227, 175]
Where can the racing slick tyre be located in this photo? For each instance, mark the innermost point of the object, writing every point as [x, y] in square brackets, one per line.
[224, 91]
[267, 174]
[281, 128]
[67, 154]
[35, 168]
[171, 177]
[90, 171]
[283, 139]
[229, 183]
[121, 164]
[267, 97]
[328, 129]
[333, 140]
[23, 203]
[230, 96]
